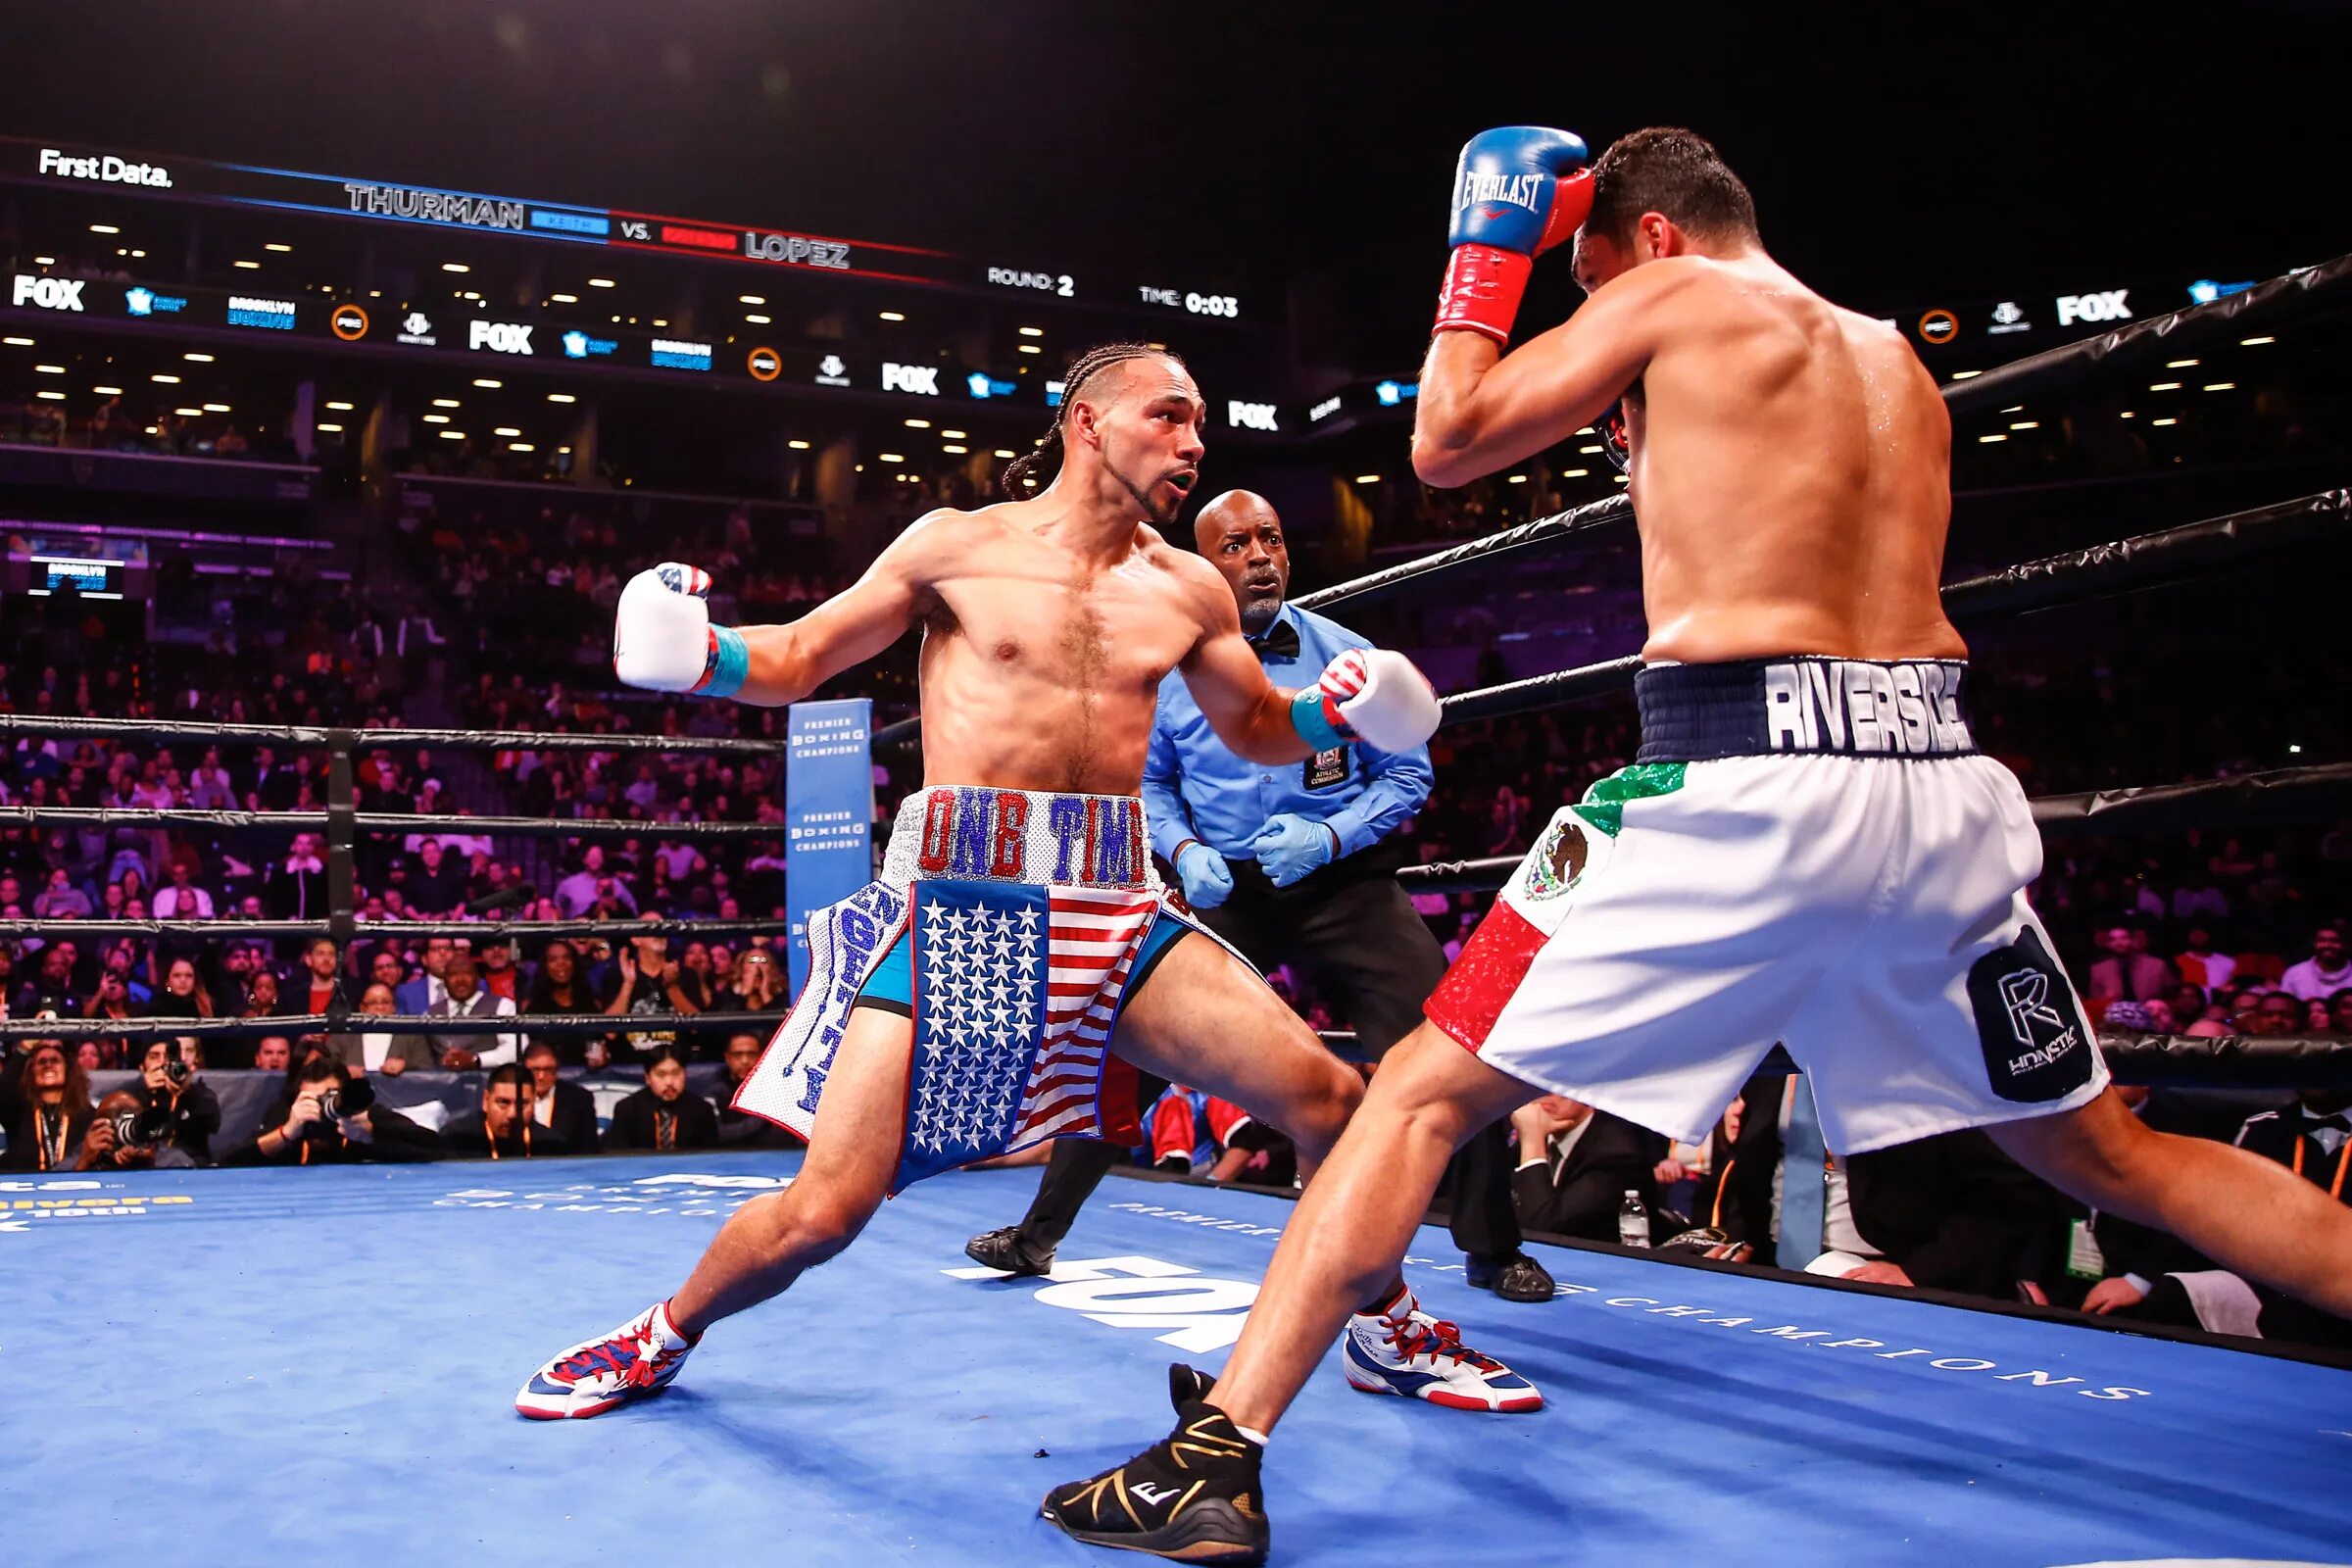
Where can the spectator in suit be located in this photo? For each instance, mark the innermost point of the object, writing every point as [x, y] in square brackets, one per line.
[663, 1116]
[565, 1110]
[503, 1128]
[381, 1050]
[465, 999]
[739, 1129]
[1576, 1164]
[1952, 1212]
[418, 994]
[2130, 970]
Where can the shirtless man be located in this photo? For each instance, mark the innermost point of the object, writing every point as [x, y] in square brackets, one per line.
[1808, 848]
[1017, 928]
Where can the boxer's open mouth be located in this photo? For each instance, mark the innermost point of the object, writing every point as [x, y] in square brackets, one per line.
[1183, 480]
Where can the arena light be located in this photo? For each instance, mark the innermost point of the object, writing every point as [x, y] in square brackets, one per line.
[453, 436]
[2163, 422]
[601, 282]
[53, 397]
[2254, 342]
[455, 267]
[798, 446]
[2015, 408]
[326, 429]
[108, 391]
[216, 408]
[1367, 479]
[1574, 473]
[104, 228]
[2025, 425]
[1590, 451]
[1622, 478]
[436, 419]
[950, 435]
[505, 430]
[751, 298]
[152, 430]
[1032, 332]
[2165, 386]
[2181, 364]
[2221, 386]
[954, 449]
[447, 403]
[340, 408]
[165, 381]
[1586, 430]
[1004, 452]
[520, 446]
[1987, 440]
[919, 424]
[561, 397]
[283, 250]
[1966, 375]
[757, 320]
[658, 321]
[563, 299]
[1031, 348]
[488, 383]
[890, 457]
[250, 267]
[1516, 478]
[17, 342]
[44, 260]
[2126, 415]
[197, 359]
[189, 413]
[893, 316]
[56, 369]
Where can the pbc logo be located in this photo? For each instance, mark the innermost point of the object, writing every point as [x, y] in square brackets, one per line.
[48, 293]
[499, 337]
[1250, 415]
[920, 379]
[2109, 305]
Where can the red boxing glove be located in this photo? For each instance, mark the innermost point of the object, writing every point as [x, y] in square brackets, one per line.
[1518, 191]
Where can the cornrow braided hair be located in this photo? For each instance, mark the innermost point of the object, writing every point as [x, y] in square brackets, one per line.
[1026, 467]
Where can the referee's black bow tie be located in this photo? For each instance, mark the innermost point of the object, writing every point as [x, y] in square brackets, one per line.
[1281, 640]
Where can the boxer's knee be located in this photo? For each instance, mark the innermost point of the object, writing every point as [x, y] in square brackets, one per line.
[1429, 1087]
[807, 1223]
[1328, 1104]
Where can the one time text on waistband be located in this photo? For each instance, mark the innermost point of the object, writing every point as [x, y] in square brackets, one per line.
[1859, 707]
[985, 833]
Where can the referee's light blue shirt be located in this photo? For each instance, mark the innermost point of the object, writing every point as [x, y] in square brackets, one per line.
[1196, 788]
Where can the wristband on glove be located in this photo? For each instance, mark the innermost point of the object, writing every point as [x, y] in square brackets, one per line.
[1316, 719]
[1482, 291]
[728, 667]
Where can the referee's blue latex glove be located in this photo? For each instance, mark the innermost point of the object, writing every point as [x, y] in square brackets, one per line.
[1206, 879]
[1289, 846]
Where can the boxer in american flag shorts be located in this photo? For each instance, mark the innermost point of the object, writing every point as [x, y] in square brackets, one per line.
[1017, 960]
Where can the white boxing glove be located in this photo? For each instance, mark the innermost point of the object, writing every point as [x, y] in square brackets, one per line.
[1373, 695]
[662, 640]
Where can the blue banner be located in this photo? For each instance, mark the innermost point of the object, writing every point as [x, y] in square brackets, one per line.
[828, 814]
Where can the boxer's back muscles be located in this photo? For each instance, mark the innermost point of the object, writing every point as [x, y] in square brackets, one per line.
[1794, 494]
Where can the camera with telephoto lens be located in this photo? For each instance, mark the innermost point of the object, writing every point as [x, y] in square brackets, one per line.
[346, 1100]
[142, 1127]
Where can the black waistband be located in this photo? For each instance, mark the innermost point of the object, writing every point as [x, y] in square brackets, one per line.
[1805, 706]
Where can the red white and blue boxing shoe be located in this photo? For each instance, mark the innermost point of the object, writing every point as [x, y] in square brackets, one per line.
[640, 1358]
[1404, 1350]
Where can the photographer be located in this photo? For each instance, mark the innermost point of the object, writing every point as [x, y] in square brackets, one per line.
[328, 1116]
[120, 1138]
[178, 1114]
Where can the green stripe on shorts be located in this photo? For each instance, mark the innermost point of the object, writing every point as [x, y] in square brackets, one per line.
[1603, 805]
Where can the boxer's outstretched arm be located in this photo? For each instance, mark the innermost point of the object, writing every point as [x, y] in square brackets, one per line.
[1247, 712]
[1479, 410]
[790, 660]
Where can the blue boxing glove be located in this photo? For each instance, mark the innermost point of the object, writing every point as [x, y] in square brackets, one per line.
[1289, 846]
[1518, 191]
[1206, 879]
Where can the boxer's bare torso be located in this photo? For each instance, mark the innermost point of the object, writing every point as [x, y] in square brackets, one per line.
[1046, 635]
[1791, 460]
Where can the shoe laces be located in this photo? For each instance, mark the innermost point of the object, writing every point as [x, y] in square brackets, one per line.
[1435, 1336]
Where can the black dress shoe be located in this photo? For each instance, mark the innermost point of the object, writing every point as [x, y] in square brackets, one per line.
[1003, 1249]
[1513, 1275]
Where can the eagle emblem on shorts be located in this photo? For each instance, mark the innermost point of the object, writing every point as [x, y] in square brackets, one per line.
[1559, 859]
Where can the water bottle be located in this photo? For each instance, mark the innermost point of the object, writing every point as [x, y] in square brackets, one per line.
[1632, 1221]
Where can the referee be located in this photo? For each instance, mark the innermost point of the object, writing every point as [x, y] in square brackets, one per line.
[1293, 865]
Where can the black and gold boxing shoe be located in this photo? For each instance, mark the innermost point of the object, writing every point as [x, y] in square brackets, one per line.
[1194, 1495]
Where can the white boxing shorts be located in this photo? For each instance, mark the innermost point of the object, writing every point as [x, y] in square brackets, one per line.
[1807, 850]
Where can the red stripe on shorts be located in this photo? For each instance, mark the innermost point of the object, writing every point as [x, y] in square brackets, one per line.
[1494, 962]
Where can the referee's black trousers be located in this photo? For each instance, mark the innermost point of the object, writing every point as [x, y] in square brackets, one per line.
[1353, 932]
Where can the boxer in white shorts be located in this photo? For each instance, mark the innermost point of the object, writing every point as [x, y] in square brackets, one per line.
[1809, 848]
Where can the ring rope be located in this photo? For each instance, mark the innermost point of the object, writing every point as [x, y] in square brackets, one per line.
[368, 740]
